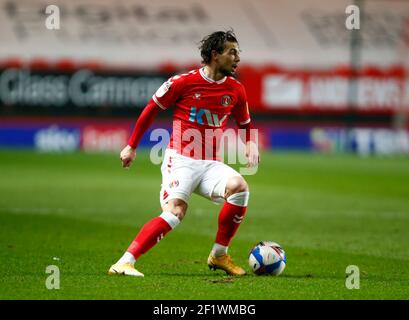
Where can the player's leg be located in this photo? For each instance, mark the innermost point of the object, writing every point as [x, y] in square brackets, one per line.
[151, 233]
[232, 213]
[154, 230]
[178, 182]
[230, 217]
[223, 184]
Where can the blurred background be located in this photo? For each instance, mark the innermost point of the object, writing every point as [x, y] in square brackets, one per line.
[312, 84]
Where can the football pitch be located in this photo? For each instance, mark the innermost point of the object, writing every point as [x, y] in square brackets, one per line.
[80, 211]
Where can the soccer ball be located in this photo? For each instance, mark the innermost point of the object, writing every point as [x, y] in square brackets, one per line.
[267, 258]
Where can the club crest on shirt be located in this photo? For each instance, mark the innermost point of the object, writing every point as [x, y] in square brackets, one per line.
[226, 100]
[174, 184]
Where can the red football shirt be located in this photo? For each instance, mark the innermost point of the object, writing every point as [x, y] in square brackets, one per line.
[201, 110]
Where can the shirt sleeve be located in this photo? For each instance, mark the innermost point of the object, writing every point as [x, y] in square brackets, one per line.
[143, 123]
[241, 110]
[168, 93]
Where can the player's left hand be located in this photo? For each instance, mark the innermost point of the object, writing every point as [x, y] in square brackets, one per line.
[252, 154]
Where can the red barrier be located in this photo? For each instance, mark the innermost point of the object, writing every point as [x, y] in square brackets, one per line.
[272, 89]
[370, 90]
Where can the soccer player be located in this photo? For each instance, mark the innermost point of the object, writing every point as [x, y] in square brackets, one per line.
[202, 100]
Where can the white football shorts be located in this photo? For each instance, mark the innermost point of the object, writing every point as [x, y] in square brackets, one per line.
[182, 176]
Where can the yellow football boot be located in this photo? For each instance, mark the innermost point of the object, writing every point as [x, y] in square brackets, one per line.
[225, 262]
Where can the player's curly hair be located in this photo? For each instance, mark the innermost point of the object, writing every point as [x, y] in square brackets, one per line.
[215, 41]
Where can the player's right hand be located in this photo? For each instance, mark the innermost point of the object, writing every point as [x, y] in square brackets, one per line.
[127, 156]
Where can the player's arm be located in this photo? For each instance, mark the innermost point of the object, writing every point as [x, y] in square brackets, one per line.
[165, 96]
[242, 115]
[143, 123]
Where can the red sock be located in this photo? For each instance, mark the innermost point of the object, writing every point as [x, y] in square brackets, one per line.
[230, 218]
[151, 233]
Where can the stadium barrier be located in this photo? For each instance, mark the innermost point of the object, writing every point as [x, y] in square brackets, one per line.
[69, 135]
[371, 91]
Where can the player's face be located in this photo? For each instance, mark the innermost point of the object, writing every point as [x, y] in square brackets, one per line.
[228, 60]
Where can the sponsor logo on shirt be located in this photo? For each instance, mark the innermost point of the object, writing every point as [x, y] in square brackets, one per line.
[206, 117]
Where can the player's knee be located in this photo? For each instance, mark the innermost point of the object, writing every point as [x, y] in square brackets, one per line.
[236, 185]
[177, 207]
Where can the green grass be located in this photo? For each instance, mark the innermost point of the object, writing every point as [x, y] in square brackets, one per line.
[80, 212]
